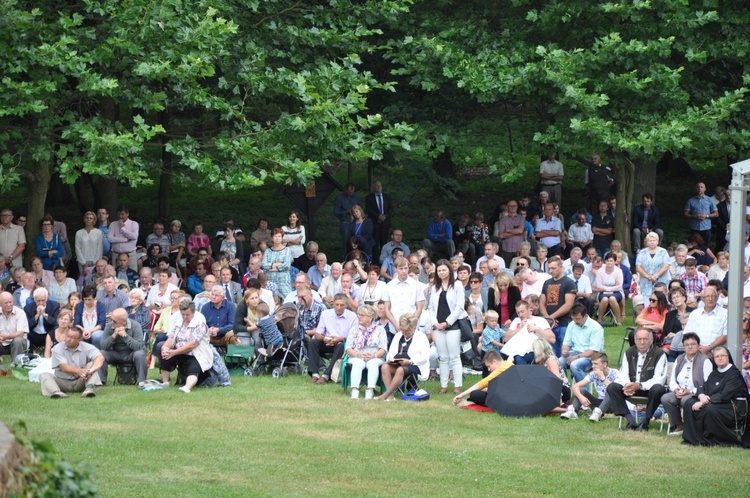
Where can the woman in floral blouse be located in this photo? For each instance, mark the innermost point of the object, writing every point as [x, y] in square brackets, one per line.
[187, 347]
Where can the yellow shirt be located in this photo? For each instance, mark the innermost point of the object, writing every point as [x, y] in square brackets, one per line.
[505, 365]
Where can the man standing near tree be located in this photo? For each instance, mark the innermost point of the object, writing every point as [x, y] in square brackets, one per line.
[551, 174]
[12, 240]
[700, 209]
[380, 210]
[600, 181]
[123, 235]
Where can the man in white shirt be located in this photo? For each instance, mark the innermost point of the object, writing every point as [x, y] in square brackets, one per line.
[575, 256]
[580, 233]
[551, 174]
[490, 252]
[645, 367]
[532, 282]
[709, 323]
[403, 295]
[583, 288]
[302, 279]
[522, 332]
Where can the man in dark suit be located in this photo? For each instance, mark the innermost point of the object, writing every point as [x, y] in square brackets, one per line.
[722, 221]
[42, 317]
[379, 209]
[645, 220]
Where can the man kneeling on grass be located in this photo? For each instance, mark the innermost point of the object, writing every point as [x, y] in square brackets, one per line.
[76, 366]
[478, 392]
[602, 376]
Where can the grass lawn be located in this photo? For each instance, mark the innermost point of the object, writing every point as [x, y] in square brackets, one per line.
[286, 437]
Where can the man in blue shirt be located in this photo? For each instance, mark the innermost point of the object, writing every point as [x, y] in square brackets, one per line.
[219, 315]
[700, 209]
[440, 236]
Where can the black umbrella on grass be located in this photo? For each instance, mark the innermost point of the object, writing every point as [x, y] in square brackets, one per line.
[524, 391]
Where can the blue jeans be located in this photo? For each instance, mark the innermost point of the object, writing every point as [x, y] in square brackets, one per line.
[559, 338]
[578, 367]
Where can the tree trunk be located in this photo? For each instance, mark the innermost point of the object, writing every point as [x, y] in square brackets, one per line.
[165, 179]
[83, 189]
[38, 179]
[644, 181]
[59, 193]
[105, 195]
[625, 177]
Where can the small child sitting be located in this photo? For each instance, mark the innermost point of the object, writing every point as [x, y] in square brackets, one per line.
[268, 329]
[493, 334]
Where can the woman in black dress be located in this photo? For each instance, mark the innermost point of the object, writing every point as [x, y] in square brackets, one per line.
[719, 409]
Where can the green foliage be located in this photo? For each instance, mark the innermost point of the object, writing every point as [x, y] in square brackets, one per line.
[45, 474]
[235, 94]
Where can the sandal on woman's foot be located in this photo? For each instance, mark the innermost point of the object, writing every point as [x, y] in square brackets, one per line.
[457, 390]
[444, 390]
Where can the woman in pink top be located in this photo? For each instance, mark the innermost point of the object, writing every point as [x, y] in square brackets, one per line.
[652, 316]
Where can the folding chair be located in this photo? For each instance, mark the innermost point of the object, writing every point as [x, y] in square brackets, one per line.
[346, 375]
[125, 374]
[641, 402]
[238, 359]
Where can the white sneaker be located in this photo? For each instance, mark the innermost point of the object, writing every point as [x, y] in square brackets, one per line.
[355, 393]
[570, 414]
[596, 415]
[369, 394]
[185, 389]
[165, 384]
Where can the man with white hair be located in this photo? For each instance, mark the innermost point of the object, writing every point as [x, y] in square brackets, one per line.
[41, 315]
[14, 328]
[220, 313]
[299, 281]
[677, 268]
[145, 279]
[122, 342]
[317, 273]
[23, 293]
[490, 252]
[209, 281]
[331, 285]
[708, 322]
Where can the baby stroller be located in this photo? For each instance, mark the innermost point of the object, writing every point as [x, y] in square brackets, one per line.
[287, 319]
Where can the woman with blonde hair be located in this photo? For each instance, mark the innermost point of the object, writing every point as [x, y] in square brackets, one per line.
[543, 355]
[503, 294]
[409, 354]
[366, 346]
[361, 227]
[246, 318]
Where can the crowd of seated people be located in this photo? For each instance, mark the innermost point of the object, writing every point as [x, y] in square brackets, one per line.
[528, 275]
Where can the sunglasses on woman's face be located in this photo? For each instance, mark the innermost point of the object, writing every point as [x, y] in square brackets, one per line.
[652, 300]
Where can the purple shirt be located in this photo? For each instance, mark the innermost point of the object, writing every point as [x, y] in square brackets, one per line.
[336, 326]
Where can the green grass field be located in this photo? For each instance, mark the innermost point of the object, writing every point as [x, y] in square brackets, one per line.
[286, 437]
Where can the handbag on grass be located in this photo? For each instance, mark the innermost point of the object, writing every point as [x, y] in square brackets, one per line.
[336, 371]
[466, 331]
